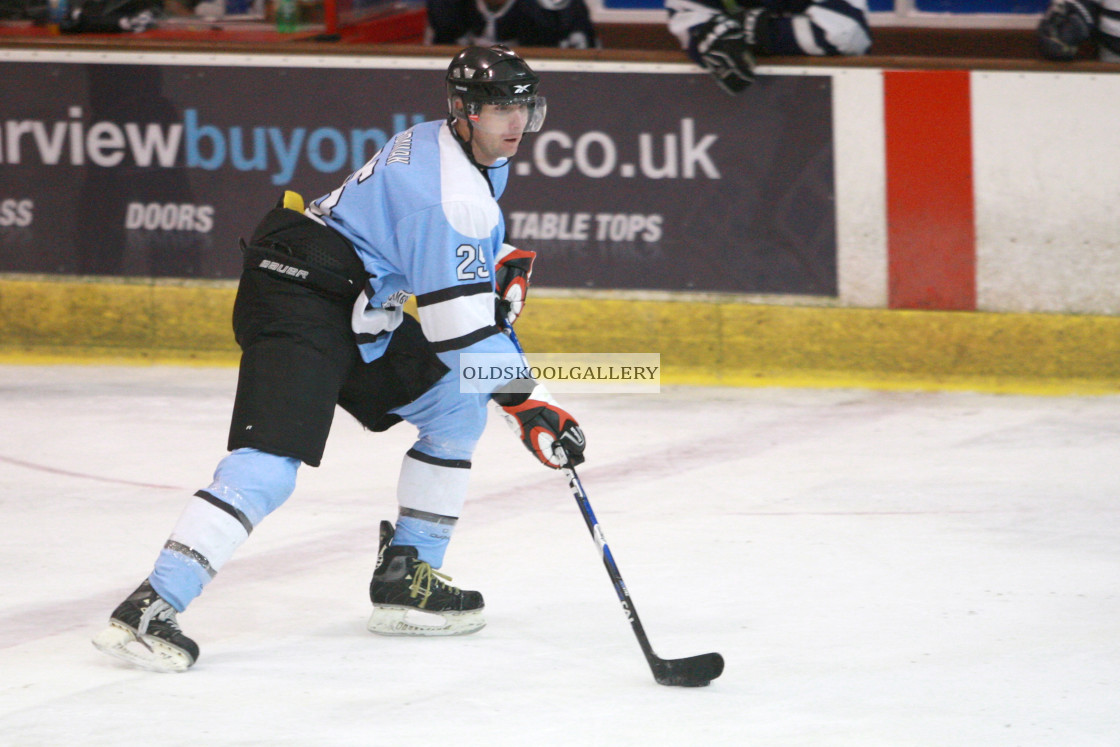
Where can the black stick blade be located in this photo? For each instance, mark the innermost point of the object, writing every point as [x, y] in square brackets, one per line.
[695, 671]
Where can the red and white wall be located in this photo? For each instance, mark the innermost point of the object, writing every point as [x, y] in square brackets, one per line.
[977, 190]
[955, 189]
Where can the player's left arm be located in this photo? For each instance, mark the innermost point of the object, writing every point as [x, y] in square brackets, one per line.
[454, 279]
[1066, 26]
[714, 40]
[807, 27]
[543, 426]
[724, 38]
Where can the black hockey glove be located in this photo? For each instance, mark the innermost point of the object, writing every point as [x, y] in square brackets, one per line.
[513, 268]
[543, 426]
[756, 28]
[1065, 26]
[722, 48]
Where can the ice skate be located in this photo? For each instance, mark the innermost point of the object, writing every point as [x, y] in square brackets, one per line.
[144, 632]
[409, 598]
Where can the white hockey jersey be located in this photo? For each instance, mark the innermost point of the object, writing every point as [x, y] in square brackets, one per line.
[1107, 31]
[794, 27]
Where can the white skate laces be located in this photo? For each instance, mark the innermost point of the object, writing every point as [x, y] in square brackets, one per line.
[158, 610]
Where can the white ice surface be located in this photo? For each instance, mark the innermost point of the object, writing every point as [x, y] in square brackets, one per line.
[876, 569]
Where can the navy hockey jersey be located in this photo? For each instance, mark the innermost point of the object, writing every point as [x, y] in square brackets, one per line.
[532, 23]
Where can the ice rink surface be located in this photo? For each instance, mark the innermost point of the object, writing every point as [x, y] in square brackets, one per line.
[877, 568]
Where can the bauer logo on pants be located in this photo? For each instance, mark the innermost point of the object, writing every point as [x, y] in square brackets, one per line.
[287, 270]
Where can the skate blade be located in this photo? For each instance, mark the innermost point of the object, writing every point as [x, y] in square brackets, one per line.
[395, 620]
[145, 651]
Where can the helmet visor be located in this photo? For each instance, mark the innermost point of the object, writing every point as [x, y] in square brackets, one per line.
[508, 116]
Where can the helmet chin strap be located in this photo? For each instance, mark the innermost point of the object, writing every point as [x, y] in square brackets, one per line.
[469, 150]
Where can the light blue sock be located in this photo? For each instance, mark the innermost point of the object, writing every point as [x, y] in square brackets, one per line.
[428, 533]
[177, 579]
[248, 485]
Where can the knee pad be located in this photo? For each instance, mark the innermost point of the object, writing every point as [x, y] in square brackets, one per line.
[255, 483]
[449, 423]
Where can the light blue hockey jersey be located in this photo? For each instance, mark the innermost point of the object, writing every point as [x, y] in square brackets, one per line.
[424, 222]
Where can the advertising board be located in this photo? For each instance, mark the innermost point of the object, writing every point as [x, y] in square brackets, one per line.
[639, 180]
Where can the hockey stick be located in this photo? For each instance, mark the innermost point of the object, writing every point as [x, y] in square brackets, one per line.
[692, 671]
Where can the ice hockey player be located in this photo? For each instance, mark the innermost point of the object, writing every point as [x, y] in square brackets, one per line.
[1068, 24]
[725, 38]
[318, 317]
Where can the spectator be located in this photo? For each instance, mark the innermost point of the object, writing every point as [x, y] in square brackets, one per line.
[725, 37]
[531, 23]
[110, 16]
[1068, 24]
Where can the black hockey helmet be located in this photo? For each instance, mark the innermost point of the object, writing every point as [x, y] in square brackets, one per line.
[493, 75]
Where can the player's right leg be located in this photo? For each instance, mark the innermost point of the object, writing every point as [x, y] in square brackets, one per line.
[144, 629]
[297, 349]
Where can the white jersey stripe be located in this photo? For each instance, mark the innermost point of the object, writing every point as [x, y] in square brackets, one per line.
[457, 317]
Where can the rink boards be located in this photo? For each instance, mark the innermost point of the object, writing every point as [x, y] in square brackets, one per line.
[900, 197]
[700, 342]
